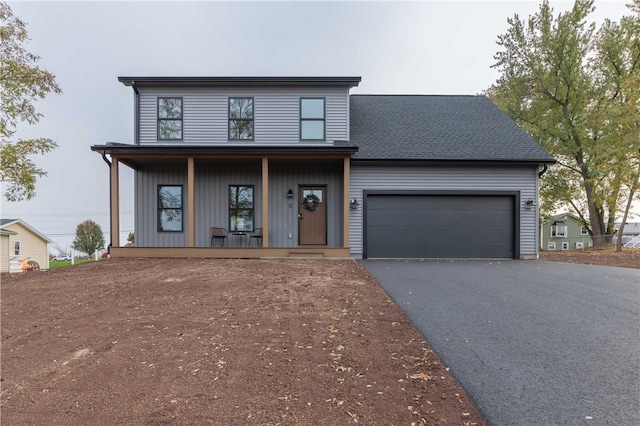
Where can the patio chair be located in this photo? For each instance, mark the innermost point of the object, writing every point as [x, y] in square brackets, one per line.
[218, 234]
[257, 234]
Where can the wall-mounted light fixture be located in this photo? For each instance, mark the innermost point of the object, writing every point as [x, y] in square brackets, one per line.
[290, 198]
[353, 203]
[529, 204]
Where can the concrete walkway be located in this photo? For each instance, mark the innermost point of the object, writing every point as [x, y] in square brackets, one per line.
[532, 342]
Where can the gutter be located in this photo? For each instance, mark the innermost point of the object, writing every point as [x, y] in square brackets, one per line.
[219, 149]
[444, 162]
[104, 157]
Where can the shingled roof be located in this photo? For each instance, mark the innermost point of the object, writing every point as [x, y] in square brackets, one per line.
[438, 128]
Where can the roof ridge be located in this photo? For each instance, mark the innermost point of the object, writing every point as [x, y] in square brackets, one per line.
[418, 95]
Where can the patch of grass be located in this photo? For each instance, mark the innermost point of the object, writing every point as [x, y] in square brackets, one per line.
[60, 263]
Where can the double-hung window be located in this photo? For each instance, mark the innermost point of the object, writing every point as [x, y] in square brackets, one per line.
[16, 248]
[558, 229]
[584, 230]
[312, 119]
[241, 118]
[241, 208]
[170, 208]
[169, 118]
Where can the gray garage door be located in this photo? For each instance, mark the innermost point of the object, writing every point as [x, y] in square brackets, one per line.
[439, 226]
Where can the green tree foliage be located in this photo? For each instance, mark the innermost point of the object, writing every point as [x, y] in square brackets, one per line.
[575, 90]
[89, 237]
[22, 82]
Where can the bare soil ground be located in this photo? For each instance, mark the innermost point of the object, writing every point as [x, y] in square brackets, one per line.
[627, 258]
[199, 341]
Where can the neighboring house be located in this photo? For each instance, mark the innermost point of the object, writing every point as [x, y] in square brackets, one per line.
[296, 166]
[4, 249]
[22, 243]
[630, 234]
[564, 232]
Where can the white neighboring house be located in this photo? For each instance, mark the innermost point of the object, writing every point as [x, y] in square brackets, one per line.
[630, 234]
[22, 242]
[4, 249]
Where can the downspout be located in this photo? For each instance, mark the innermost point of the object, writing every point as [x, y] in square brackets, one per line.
[543, 171]
[104, 157]
[136, 114]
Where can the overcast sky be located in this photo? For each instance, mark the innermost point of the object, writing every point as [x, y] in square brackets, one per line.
[396, 47]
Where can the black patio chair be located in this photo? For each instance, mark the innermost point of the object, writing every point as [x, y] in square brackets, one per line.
[218, 234]
[257, 234]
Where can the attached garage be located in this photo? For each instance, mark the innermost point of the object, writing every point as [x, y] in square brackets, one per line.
[441, 225]
[441, 177]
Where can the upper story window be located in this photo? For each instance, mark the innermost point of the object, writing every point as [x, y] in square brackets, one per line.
[559, 229]
[584, 230]
[312, 119]
[240, 118]
[170, 208]
[170, 118]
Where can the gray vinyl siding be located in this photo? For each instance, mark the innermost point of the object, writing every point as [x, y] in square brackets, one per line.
[212, 180]
[212, 196]
[146, 207]
[284, 219]
[276, 114]
[441, 178]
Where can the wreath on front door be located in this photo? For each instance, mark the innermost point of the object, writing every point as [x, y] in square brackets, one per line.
[310, 202]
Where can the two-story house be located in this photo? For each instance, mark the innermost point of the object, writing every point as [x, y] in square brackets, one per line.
[565, 231]
[297, 166]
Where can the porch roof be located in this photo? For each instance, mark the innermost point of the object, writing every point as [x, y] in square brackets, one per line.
[136, 156]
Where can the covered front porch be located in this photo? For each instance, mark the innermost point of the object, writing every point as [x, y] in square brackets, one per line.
[280, 182]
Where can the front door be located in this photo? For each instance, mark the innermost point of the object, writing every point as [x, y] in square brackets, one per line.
[312, 216]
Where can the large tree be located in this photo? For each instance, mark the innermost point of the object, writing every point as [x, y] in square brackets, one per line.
[89, 237]
[575, 90]
[22, 82]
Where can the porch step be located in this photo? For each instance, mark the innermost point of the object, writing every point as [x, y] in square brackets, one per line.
[306, 253]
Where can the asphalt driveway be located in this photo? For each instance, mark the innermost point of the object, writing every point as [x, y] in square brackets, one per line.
[532, 342]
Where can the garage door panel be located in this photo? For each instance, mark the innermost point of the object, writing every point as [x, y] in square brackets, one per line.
[435, 250]
[409, 233]
[414, 226]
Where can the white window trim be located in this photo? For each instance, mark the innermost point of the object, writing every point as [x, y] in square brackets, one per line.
[551, 245]
[565, 245]
[556, 234]
[584, 230]
[579, 244]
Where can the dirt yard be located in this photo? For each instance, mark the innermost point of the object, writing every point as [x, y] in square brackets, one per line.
[241, 342]
[627, 258]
